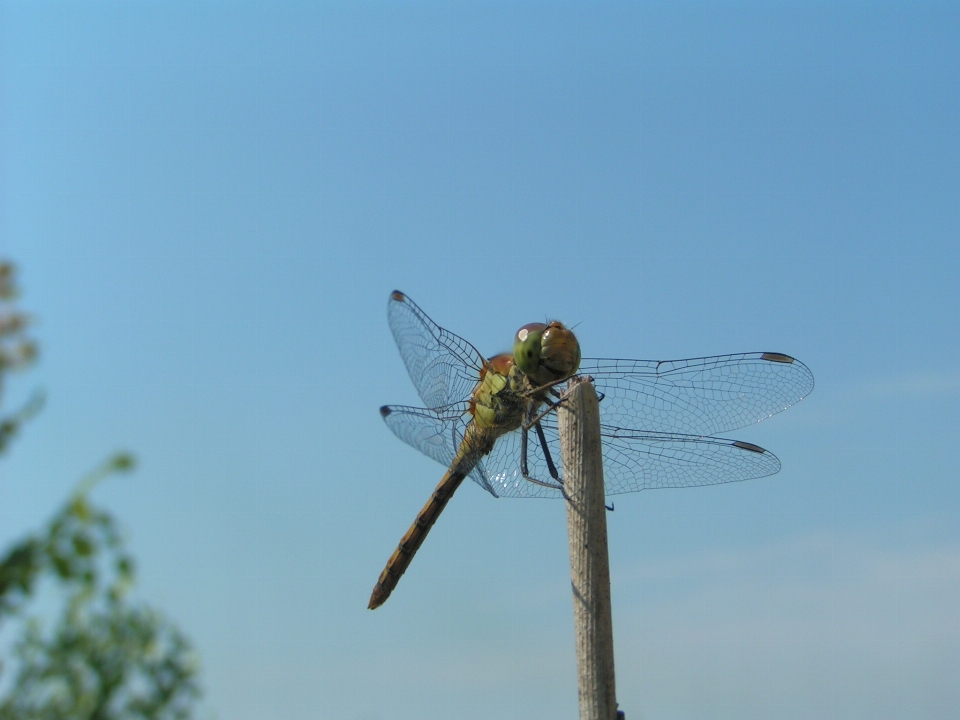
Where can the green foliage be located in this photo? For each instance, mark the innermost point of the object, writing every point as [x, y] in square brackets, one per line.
[106, 657]
[17, 350]
[69, 549]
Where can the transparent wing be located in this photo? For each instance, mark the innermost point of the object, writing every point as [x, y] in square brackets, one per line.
[632, 460]
[436, 432]
[670, 460]
[443, 367]
[501, 468]
[701, 396]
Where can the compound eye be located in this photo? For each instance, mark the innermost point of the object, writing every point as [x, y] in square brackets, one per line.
[559, 353]
[526, 347]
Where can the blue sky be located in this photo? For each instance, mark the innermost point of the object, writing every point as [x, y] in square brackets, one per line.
[210, 203]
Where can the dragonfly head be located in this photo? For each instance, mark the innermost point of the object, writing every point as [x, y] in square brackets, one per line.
[546, 353]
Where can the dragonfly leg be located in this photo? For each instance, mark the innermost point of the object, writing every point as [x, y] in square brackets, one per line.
[552, 406]
[524, 434]
[552, 486]
[546, 454]
[523, 452]
[549, 458]
[545, 388]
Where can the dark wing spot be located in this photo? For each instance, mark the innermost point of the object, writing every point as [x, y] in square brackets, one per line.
[777, 357]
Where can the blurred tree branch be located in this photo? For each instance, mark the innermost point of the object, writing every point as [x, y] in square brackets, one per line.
[17, 350]
[106, 658]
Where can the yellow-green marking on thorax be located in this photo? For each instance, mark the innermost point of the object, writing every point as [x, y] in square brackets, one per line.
[496, 402]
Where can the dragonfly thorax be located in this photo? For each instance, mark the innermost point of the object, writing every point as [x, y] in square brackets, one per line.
[498, 401]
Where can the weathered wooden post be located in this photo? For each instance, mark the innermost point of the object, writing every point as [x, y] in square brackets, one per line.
[579, 419]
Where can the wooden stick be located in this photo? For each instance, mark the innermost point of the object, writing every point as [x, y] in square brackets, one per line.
[579, 419]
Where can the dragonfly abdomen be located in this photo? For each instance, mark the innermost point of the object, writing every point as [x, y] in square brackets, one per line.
[414, 537]
[476, 443]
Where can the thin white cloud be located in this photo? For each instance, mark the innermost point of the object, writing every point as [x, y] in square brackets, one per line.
[822, 626]
[918, 385]
[818, 586]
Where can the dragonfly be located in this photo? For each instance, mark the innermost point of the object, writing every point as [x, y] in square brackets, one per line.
[491, 419]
